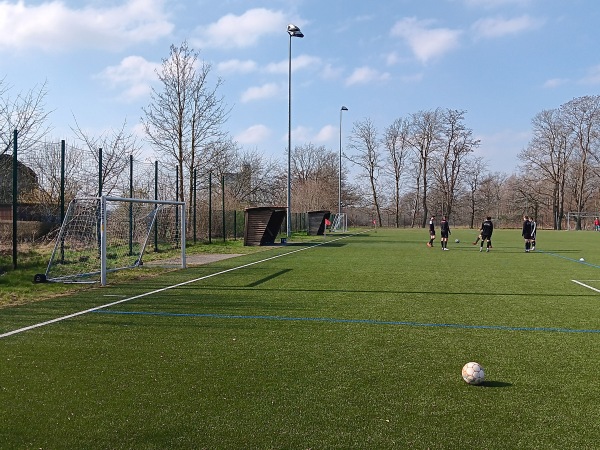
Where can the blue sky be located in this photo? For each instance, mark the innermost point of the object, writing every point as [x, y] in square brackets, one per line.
[503, 61]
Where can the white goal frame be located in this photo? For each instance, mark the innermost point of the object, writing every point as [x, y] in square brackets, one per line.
[103, 234]
[586, 217]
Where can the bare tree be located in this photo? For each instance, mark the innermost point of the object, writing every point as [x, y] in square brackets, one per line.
[547, 156]
[184, 118]
[582, 116]
[456, 144]
[396, 141]
[363, 140]
[252, 181]
[474, 175]
[426, 128]
[315, 176]
[45, 159]
[26, 113]
[117, 146]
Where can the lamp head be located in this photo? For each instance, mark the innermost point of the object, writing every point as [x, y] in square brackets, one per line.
[294, 31]
[343, 108]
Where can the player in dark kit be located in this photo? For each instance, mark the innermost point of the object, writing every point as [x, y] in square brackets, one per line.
[431, 231]
[444, 232]
[526, 233]
[487, 228]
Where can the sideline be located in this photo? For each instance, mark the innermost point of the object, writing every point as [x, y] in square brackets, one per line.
[586, 286]
[157, 291]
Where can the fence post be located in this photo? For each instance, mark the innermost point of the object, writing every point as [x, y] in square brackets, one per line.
[14, 201]
[195, 203]
[210, 207]
[99, 172]
[223, 203]
[130, 205]
[62, 195]
[156, 198]
[177, 199]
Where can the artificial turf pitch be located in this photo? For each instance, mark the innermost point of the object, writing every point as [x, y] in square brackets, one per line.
[353, 341]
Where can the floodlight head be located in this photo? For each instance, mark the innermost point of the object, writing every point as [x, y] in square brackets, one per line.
[294, 31]
[343, 108]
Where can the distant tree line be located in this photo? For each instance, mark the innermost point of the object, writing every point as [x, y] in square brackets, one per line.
[420, 165]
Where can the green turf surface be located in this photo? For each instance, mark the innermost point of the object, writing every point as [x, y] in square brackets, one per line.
[357, 343]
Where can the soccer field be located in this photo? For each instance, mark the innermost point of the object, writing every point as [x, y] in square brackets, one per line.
[353, 341]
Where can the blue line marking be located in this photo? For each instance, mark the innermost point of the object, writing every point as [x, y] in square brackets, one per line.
[568, 259]
[355, 321]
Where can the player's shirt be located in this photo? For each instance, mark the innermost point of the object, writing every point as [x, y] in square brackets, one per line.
[527, 228]
[444, 228]
[533, 228]
[487, 228]
[431, 227]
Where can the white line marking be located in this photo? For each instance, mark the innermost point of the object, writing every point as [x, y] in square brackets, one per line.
[108, 305]
[585, 285]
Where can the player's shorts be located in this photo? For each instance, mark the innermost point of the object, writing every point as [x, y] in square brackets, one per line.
[485, 237]
[444, 235]
[527, 236]
[431, 233]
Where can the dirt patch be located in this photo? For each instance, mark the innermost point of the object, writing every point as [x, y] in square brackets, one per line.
[192, 260]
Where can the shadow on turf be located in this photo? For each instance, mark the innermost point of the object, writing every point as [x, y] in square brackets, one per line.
[267, 278]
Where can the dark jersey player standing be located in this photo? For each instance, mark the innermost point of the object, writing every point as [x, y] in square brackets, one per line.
[431, 231]
[526, 233]
[487, 228]
[444, 232]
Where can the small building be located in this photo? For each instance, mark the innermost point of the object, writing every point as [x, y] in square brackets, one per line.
[316, 222]
[263, 224]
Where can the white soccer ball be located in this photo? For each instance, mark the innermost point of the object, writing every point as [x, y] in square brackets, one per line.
[457, 240]
[581, 259]
[473, 373]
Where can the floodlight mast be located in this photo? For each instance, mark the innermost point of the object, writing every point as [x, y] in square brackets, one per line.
[293, 31]
[342, 109]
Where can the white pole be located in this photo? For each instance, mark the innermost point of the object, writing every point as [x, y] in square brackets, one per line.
[183, 261]
[103, 240]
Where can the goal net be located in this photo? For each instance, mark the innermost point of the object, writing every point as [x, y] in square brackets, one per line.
[339, 222]
[105, 234]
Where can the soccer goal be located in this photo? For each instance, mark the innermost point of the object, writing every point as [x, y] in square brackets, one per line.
[339, 222]
[585, 220]
[104, 234]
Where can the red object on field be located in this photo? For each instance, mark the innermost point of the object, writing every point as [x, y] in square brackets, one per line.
[327, 222]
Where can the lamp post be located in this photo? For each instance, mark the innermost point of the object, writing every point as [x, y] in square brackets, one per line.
[293, 31]
[342, 109]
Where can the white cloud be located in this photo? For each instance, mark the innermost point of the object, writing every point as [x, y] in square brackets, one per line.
[253, 135]
[299, 62]
[242, 31]
[364, 75]
[554, 83]
[331, 72]
[53, 26]
[260, 92]
[498, 27]
[134, 75]
[327, 133]
[425, 41]
[237, 66]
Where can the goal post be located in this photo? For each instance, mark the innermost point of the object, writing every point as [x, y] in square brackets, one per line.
[104, 234]
[339, 222]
